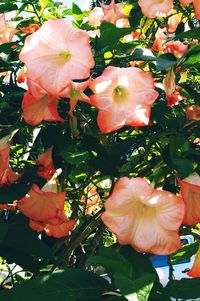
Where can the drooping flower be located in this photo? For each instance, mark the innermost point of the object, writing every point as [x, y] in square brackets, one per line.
[7, 175]
[112, 12]
[95, 16]
[195, 270]
[160, 37]
[193, 112]
[155, 8]
[21, 77]
[74, 91]
[46, 168]
[173, 22]
[169, 83]
[38, 105]
[146, 218]
[30, 28]
[42, 206]
[6, 31]
[51, 63]
[124, 97]
[190, 192]
[196, 4]
[177, 48]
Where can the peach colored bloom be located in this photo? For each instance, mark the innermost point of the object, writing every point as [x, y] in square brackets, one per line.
[6, 31]
[155, 8]
[21, 75]
[196, 4]
[173, 22]
[92, 200]
[42, 206]
[30, 28]
[38, 105]
[46, 168]
[146, 218]
[193, 112]
[113, 12]
[124, 97]
[177, 48]
[7, 175]
[190, 192]
[173, 99]
[95, 16]
[160, 38]
[169, 83]
[195, 270]
[74, 91]
[58, 231]
[51, 63]
[184, 3]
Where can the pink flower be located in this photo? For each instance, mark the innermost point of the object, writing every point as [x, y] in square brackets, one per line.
[6, 31]
[38, 105]
[112, 12]
[173, 22]
[7, 175]
[124, 97]
[42, 206]
[184, 3]
[160, 38]
[190, 192]
[95, 16]
[177, 48]
[155, 8]
[46, 168]
[146, 218]
[56, 54]
[74, 91]
[196, 4]
[195, 270]
[193, 112]
[92, 200]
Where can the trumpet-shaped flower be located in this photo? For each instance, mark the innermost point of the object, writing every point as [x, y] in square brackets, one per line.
[113, 12]
[124, 97]
[56, 54]
[193, 112]
[155, 8]
[38, 105]
[6, 31]
[95, 16]
[46, 168]
[42, 206]
[7, 175]
[169, 83]
[146, 218]
[190, 192]
[92, 200]
[195, 270]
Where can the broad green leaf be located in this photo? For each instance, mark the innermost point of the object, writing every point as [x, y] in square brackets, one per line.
[184, 166]
[165, 61]
[192, 61]
[139, 54]
[184, 252]
[7, 7]
[63, 285]
[184, 288]
[74, 158]
[3, 230]
[190, 34]
[77, 12]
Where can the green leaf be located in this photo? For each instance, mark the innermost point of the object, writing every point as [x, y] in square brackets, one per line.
[140, 287]
[110, 34]
[184, 252]
[192, 61]
[77, 12]
[190, 34]
[7, 7]
[165, 61]
[184, 288]
[139, 54]
[183, 166]
[7, 47]
[74, 158]
[70, 285]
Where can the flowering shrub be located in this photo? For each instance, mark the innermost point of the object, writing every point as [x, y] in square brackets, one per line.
[99, 148]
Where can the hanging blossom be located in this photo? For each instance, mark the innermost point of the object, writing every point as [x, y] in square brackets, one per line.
[51, 63]
[193, 112]
[124, 96]
[38, 105]
[6, 30]
[195, 270]
[155, 8]
[95, 16]
[74, 91]
[91, 200]
[45, 164]
[7, 175]
[45, 208]
[170, 83]
[190, 192]
[146, 218]
[113, 12]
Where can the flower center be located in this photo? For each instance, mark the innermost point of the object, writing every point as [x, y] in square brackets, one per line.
[65, 56]
[120, 94]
